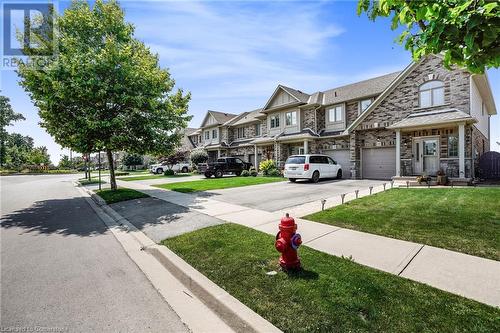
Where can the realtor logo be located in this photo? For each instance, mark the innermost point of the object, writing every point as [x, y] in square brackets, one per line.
[27, 33]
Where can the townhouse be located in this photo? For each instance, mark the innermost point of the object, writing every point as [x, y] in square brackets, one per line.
[417, 121]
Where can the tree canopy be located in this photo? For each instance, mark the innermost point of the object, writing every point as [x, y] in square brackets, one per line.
[465, 31]
[106, 90]
[7, 116]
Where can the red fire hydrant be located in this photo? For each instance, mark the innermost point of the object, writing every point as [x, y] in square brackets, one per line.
[287, 243]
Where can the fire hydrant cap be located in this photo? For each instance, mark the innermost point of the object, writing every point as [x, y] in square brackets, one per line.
[287, 221]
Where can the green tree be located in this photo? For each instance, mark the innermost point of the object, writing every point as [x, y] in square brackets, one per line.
[198, 156]
[132, 160]
[17, 150]
[465, 31]
[39, 156]
[106, 91]
[65, 162]
[7, 116]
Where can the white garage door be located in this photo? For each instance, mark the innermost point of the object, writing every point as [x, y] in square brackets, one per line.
[342, 157]
[378, 163]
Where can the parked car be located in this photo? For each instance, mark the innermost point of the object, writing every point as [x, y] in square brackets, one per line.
[226, 165]
[161, 167]
[312, 167]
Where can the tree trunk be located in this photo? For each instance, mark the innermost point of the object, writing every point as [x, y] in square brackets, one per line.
[112, 180]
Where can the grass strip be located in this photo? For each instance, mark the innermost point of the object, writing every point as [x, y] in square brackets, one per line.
[331, 294]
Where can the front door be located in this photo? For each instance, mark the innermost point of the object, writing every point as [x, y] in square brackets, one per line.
[425, 156]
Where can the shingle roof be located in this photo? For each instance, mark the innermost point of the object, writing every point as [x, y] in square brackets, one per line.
[357, 90]
[245, 118]
[303, 97]
[433, 118]
[222, 117]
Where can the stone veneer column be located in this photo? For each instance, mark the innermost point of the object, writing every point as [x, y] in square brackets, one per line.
[461, 150]
[398, 153]
[355, 155]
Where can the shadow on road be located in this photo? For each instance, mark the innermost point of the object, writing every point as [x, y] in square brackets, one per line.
[56, 216]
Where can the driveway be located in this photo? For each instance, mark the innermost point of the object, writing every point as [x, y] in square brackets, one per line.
[277, 196]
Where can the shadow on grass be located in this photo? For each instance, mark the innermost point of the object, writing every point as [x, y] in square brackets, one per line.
[302, 274]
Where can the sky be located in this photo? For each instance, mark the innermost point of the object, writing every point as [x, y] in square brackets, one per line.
[231, 55]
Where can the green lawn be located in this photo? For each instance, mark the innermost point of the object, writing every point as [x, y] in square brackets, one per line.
[461, 219]
[331, 294]
[150, 176]
[218, 183]
[121, 194]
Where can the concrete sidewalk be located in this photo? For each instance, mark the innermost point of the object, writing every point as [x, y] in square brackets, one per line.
[469, 276]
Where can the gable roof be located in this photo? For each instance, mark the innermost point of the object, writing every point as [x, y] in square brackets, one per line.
[298, 95]
[245, 118]
[220, 117]
[366, 88]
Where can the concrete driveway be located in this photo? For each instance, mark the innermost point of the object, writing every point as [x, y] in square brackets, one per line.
[277, 196]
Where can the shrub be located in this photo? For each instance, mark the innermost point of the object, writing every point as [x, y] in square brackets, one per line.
[274, 173]
[266, 166]
[169, 172]
[245, 173]
[253, 172]
[198, 156]
[117, 174]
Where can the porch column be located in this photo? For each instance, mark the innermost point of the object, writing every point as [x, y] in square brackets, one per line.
[461, 150]
[306, 147]
[255, 158]
[398, 153]
[218, 153]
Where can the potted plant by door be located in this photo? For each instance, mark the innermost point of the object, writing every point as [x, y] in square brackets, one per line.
[442, 179]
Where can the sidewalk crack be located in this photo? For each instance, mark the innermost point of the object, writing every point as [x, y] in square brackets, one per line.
[409, 262]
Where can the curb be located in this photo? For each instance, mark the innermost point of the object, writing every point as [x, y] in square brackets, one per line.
[234, 313]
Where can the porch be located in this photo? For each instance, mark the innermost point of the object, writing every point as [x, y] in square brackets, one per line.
[429, 142]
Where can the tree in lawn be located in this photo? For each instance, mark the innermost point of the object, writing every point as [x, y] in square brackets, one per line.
[7, 116]
[174, 158]
[106, 91]
[198, 156]
[132, 160]
[465, 31]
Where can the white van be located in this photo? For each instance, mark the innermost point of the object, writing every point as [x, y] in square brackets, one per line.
[313, 167]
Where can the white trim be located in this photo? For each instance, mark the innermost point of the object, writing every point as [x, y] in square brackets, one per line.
[274, 94]
[398, 153]
[461, 150]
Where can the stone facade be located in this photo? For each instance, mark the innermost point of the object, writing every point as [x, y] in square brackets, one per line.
[373, 130]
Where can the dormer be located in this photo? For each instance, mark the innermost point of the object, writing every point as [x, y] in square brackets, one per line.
[285, 97]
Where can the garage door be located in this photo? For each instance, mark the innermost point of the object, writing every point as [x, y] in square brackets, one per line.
[378, 163]
[342, 157]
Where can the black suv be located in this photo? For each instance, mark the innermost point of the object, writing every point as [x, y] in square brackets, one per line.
[226, 165]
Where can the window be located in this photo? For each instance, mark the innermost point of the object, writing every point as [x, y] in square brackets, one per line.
[431, 94]
[296, 160]
[240, 132]
[453, 146]
[335, 114]
[257, 129]
[430, 147]
[207, 135]
[364, 104]
[214, 133]
[275, 121]
[330, 161]
[291, 118]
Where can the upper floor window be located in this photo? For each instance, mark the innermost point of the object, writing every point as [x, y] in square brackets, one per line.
[364, 104]
[257, 129]
[275, 121]
[335, 114]
[240, 132]
[207, 135]
[431, 94]
[214, 133]
[291, 118]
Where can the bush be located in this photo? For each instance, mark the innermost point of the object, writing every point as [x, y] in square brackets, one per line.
[169, 172]
[119, 173]
[253, 172]
[198, 156]
[274, 173]
[266, 166]
[245, 173]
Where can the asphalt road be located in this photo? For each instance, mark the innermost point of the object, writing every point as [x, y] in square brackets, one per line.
[62, 269]
[276, 196]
